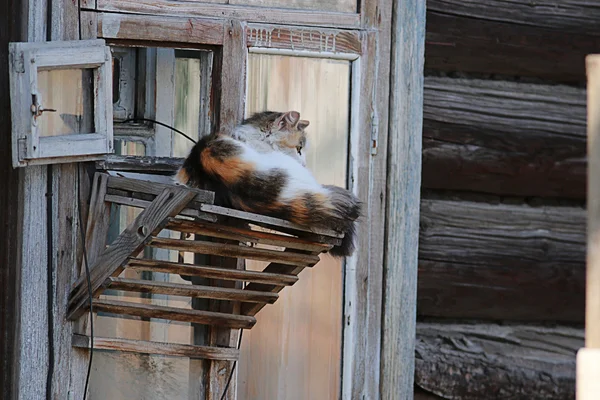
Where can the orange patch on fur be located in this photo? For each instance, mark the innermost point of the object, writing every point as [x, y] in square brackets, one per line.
[182, 176]
[300, 212]
[230, 170]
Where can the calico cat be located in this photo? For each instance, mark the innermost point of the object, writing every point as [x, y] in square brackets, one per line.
[255, 169]
[267, 131]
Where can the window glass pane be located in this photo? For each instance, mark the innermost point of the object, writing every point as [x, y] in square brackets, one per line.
[294, 350]
[70, 93]
[322, 5]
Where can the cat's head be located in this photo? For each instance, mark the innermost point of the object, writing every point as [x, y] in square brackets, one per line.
[283, 130]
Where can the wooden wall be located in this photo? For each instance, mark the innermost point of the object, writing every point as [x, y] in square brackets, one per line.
[501, 287]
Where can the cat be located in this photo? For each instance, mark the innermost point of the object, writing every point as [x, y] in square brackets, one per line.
[254, 169]
[267, 131]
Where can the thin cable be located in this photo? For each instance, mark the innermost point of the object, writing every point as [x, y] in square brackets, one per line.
[162, 124]
[50, 288]
[232, 369]
[89, 285]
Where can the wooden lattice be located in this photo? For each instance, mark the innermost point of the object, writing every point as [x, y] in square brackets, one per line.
[230, 234]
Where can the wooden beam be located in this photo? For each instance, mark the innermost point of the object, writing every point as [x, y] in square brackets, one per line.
[166, 165]
[175, 314]
[138, 203]
[559, 15]
[160, 29]
[403, 194]
[287, 16]
[151, 347]
[155, 188]
[456, 43]
[471, 361]
[211, 272]
[504, 138]
[501, 261]
[183, 289]
[132, 240]
[231, 250]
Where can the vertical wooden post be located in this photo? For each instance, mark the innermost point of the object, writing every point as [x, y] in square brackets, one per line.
[588, 359]
[404, 184]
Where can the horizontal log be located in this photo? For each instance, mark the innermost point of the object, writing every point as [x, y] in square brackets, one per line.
[504, 138]
[151, 347]
[174, 314]
[179, 289]
[138, 203]
[155, 188]
[500, 261]
[143, 164]
[477, 361]
[244, 235]
[211, 272]
[577, 16]
[231, 250]
[456, 43]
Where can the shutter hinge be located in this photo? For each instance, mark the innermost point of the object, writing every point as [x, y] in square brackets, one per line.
[374, 133]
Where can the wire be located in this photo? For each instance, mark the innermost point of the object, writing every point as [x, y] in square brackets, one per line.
[162, 124]
[50, 288]
[232, 369]
[89, 285]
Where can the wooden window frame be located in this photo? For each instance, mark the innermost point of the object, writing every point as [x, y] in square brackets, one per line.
[379, 325]
[29, 148]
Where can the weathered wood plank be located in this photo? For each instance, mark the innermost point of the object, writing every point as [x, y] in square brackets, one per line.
[291, 38]
[112, 261]
[138, 203]
[560, 15]
[155, 188]
[504, 138]
[250, 14]
[182, 289]
[160, 29]
[403, 194]
[167, 165]
[231, 250]
[151, 347]
[474, 45]
[211, 272]
[467, 361]
[592, 305]
[265, 220]
[244, 235]
[500, 261]
[175, 314]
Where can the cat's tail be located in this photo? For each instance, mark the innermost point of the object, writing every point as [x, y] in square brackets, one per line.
[336, 209]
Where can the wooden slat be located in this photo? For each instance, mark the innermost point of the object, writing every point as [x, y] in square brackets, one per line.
[131, 241]
[473, 361]
[229, 250]
[144, 164]
[291, 38]
[175, 314]
[244, 235]
[151, 347]
[504, 138]
[182, 289]
[243, 13]
[155, 188]
[139, 203]
[501, 261]
[211, 272]
[160, 29]
[456, 43]
[267, 221]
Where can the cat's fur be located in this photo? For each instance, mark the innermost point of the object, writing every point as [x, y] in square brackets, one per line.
[249, 170]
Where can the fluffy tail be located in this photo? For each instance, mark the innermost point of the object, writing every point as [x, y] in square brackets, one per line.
[337, 210]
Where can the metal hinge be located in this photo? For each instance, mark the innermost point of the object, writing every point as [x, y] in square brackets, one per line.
[374, 133]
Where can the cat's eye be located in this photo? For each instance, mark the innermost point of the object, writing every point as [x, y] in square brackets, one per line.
[299, 150]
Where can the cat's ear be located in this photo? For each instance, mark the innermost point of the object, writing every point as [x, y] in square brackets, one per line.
[288, 120]
[302, 124]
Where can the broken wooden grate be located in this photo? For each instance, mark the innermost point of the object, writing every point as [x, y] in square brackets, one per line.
[229, 233]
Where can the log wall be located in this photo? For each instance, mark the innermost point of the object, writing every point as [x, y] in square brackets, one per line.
[501, 288]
